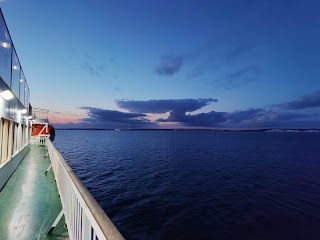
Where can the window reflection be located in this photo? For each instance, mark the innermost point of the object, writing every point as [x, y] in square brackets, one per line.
[27, 95]
[10, 70]
[22, 91]
[15, 81]
[5, 53]
[5, 44]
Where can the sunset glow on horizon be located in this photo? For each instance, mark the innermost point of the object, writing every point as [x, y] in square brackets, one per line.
[146, 64]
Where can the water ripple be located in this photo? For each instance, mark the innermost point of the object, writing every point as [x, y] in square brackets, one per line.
[201, 185]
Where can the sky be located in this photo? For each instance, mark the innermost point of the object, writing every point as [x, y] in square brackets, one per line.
[170, 64]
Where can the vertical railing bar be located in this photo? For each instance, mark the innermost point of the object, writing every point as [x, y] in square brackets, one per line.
[80, 221]
[78, 225]
[77, 219]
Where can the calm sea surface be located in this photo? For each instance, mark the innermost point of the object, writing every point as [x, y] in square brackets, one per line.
[201, 185]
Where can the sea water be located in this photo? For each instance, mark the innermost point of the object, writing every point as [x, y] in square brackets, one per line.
[201, 184]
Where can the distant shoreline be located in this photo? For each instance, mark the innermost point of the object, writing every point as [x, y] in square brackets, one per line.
[197, 129]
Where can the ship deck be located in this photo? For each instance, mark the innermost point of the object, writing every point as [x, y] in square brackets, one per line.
[29, 202]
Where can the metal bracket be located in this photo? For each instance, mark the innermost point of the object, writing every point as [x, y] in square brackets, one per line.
[48, 169]
[56, 222]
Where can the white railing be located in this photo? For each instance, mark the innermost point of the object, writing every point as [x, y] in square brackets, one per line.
[84, 217]
[40, 113]
[39, 140]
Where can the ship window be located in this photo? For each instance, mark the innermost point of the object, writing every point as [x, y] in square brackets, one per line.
[5, 141]
[5, 53]
[26, 100]
[22, 88]
[15, 142]
[15, 84]
[10, 142]
[19, 138]
[27, 135]
[22, 135]
[1, 130]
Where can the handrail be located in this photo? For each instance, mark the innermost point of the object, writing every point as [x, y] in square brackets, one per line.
[40, 113]
[84, 217]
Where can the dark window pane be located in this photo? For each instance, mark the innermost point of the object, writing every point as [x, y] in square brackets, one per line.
[15, 75]
[27, 96]
[5, 53]
[22, 90]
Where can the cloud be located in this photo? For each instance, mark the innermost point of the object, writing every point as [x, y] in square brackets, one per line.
[103, 118]
[253, 117]
[93, 70]
[238, 51]
[169, 65]
[209, 57]
[164, 106]
[183, 112]
[202, 67]
[117, 89]
[310, 100]
[240, 77]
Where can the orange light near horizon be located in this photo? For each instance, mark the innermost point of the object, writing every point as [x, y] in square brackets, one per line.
[170, 125]
[63, 118]
[154, 116]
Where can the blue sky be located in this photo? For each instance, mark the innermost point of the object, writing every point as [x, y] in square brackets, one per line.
[133, 64]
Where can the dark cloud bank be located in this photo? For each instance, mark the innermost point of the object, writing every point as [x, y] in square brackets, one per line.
[164, 106]
[307, 101]
[103, 118]
[181, 111]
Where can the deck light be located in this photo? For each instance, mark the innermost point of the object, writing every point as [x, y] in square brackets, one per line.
[23, 111]
[4, 44]
[15, 67]
[7, 95]
[21, 80]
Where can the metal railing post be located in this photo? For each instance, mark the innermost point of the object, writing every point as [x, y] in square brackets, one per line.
[83, 215]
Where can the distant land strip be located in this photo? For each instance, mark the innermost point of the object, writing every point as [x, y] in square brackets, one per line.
[197, 129]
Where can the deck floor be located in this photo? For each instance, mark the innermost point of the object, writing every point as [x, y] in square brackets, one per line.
[29, 202]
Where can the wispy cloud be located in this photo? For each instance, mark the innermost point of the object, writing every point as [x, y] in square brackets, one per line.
[117, 89]
[238, 51]
[209, 57]
[240, 77]
[93, 70]
[310, 100]
[169, 65]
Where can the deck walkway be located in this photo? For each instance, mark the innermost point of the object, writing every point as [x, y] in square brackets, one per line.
[29, 202]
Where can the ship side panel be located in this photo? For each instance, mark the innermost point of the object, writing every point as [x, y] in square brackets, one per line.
[8, 169]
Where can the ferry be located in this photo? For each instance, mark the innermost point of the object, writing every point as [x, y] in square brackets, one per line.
[41, 197]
